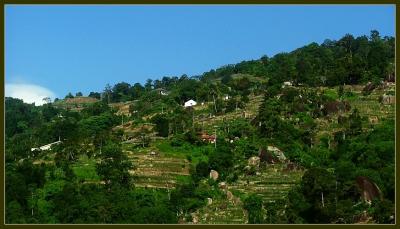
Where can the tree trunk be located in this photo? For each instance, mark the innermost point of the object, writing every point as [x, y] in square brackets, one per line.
[215, 105]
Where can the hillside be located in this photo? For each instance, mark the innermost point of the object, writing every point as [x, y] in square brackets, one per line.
[305, 137]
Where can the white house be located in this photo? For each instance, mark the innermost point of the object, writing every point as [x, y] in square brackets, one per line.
[46, 147]
[287, 84]
[190, 103]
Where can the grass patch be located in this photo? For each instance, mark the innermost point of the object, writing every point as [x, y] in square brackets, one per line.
[85, 169]
[192, 153]
[331, 93]
[182, 179]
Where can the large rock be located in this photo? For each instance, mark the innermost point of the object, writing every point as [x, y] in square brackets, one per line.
[236, 201]
[214, 175]
[278, 153]
[369, 190]
[373, 119]
[254, 161]
[222, 185]
[229, 195]
[195, 218]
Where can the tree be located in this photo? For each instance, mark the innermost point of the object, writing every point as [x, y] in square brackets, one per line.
[78, 94]
[253, 205]
[148, 85]
[162, 124]
[221, 159]
[95, 95]
[120, 92]
[202, 169]
[114, 167]
[355, 122]
[383, 211]
[46, 100]
[136, 90]
[108, 93]
[69, 96]
[318, 187]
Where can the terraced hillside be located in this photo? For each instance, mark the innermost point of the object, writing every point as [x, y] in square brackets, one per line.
[222, 211]
[272, 183]
[250, 111]
[75, 104]
[368, 106]
[158, 170]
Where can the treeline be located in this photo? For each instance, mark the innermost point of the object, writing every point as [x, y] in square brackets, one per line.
[349, 60]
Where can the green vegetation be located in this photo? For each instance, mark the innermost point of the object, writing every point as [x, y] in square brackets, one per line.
[295, 138]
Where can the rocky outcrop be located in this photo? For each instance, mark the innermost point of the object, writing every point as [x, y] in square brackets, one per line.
[214, 175]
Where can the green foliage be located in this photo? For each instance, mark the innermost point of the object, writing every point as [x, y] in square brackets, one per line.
[383, 211]
[69, 96]
[114, 167]
[86, 179]
[221, 159]
[201, 171]
[162, 124]
[253, 205]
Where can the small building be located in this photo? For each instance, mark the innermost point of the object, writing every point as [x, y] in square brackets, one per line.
[153, 154]
[190, 103]
[46, 147]
[206, 137]
[287, 84]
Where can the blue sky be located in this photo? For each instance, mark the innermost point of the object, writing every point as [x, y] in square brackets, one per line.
[65, 49]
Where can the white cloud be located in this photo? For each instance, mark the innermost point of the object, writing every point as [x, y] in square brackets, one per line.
[29, 93]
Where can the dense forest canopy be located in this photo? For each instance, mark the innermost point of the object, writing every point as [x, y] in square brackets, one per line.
[88, 177]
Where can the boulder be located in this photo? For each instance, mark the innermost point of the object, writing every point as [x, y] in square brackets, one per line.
[254, 161]
[229, 195]
[214, 175]
[266, 156]
[369, 190]
[209, 201]
[373, 119]
[195, 219]
[222, 185]
[278, 153]
[236, 201]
